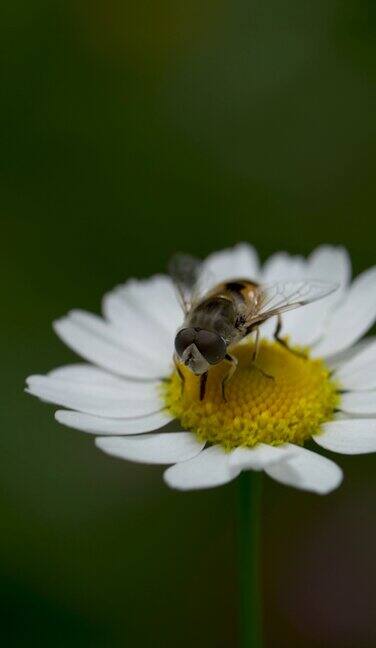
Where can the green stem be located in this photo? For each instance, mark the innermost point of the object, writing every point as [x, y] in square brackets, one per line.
[249, 527]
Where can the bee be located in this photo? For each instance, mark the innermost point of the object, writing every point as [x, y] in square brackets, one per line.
[216, 320]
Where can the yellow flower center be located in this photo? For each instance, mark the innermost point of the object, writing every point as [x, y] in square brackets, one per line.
[289, 407]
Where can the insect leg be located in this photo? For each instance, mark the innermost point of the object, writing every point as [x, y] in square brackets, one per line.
[234, 364]
[203, 380]
[254, 356]
[180, 374]
[256, 347]
[282, 342]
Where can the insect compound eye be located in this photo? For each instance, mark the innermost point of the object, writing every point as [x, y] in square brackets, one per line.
[183, 339]
[211, 345]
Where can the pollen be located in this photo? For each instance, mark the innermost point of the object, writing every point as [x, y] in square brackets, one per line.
[288, 406]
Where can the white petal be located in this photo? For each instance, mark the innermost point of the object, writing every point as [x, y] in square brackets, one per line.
[156, 298]
[97, 342]
[327, 263]
[338, 359]
[281, 266]
[91, 375]
[260, 456]
[308, 471]
[101, 400]
[349, 437]
[97, 424]
[331, 263]
[135, 326]
[129, 311]
[108, 386]
[162, 448]
[360, 371]
[87, 373]
[362, 402]
[352, 318]
[210, 468]
[138, 341]
[238, 262]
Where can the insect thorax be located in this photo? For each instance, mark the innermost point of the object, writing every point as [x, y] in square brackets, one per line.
[214, 314]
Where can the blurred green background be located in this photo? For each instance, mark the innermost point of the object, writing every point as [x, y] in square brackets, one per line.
[131, 130]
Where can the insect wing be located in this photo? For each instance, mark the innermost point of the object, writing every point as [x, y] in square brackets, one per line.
[185, 272]
[270, 300]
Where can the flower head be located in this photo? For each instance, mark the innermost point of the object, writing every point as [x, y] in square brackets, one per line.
[322, 387]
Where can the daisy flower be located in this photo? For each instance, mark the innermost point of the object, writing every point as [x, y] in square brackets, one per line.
[129, 394]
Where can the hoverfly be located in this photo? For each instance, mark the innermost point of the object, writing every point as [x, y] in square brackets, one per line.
[218, 319]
